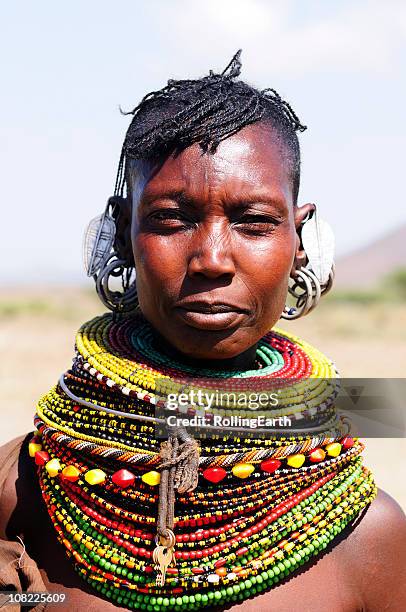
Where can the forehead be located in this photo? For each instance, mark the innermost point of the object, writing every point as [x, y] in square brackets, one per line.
[253, 160]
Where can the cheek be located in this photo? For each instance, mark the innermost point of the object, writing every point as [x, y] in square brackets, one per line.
[266, 264]
[159, 265]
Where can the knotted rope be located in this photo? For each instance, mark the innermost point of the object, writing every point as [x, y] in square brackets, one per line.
[179, 472]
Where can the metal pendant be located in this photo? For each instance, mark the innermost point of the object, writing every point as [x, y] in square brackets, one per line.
[318, 242]
[98, 241]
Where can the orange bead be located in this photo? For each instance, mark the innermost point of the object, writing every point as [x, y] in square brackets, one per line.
[317, 455]
[71, 473]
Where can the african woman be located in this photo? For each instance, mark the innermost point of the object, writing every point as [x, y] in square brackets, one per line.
[207, 235]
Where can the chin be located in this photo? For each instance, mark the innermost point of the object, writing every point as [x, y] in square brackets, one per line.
[219, 344]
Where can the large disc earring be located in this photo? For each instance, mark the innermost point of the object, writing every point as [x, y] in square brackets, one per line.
[315, 278]
[104, 264]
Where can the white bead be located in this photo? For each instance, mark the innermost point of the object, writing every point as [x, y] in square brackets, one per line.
[213, 578]
[231, 576]
[125, 391]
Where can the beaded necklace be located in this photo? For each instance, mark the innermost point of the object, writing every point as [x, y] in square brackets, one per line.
[281, 501]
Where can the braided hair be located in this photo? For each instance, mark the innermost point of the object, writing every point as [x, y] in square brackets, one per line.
[205, 111]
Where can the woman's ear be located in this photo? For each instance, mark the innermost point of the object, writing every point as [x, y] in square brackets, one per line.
[122, 217]
[300, 214]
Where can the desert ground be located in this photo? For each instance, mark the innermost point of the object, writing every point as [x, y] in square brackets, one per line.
[37, 329]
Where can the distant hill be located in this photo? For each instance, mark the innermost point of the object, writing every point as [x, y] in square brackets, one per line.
[366, 266]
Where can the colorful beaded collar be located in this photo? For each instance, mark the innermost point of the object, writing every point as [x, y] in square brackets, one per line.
[280, 502]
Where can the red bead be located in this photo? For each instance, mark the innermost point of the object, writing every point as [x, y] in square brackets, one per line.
[123, 478]
[270, 465]
[41, 457]
[214, 474]
[348, 442]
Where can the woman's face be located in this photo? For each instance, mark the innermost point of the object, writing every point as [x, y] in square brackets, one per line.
[214, 242]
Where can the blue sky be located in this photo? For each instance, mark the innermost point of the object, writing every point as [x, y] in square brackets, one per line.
[67, 66]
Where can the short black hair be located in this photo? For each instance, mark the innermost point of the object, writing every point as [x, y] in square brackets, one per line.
[206, 111]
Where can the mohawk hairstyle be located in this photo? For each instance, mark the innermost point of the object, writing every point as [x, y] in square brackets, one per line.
[205, 111]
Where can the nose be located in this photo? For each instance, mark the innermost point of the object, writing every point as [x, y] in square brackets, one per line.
[212, 255]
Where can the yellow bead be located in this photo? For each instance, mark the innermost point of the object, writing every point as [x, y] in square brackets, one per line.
[33, 447]
[243, 470]
[152, 478]
[96, 476]
[333, 449]
[296, 461]
[53, 467]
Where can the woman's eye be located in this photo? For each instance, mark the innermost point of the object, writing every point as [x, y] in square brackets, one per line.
[257, 223]
[169, 217]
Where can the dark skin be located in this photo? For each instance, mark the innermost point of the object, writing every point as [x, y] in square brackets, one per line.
[210, 243]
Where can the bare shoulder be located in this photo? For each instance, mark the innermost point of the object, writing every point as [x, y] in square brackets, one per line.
[375, 554]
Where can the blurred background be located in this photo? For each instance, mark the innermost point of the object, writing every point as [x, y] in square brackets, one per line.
[66, 69]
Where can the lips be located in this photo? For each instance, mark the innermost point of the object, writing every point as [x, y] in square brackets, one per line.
[210, 316]
[210, 307]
